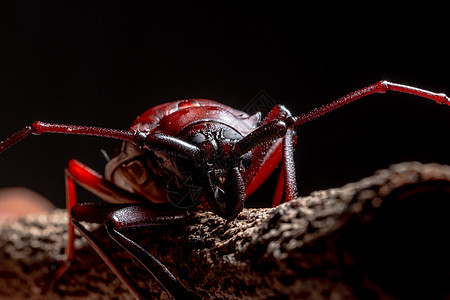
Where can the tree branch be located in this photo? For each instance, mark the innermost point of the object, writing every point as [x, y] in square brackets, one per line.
[384, 236]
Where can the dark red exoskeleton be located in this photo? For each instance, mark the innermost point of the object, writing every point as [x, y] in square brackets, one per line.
[179, 149]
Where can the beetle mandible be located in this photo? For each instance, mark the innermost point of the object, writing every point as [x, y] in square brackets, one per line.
[223, 152]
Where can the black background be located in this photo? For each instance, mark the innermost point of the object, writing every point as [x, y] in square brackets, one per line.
[105, 63]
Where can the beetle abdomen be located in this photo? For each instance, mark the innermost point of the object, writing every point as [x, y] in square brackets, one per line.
[136, 171]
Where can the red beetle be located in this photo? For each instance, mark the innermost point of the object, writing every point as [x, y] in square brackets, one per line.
[177, 148]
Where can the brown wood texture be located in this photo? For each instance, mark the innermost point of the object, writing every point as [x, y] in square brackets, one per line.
[386, 236]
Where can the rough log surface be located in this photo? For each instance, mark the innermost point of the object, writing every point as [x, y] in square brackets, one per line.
[386, 236]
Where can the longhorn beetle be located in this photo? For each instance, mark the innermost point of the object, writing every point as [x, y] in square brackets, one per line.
[224, 153]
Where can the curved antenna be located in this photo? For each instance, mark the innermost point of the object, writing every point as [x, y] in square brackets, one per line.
[38, 128]
[379, 87]
[160, 142]
[266, 133]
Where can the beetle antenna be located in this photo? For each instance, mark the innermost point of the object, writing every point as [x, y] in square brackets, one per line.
[38, 128]
[380, 87]
[269, 132]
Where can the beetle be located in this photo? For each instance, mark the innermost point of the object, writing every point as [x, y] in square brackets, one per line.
[172, 149]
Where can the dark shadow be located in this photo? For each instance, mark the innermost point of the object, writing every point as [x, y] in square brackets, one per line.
[405, 249]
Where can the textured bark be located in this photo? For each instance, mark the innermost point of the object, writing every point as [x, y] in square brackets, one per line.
[386, 236]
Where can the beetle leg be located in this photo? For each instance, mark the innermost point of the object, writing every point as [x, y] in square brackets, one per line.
[71, 199]
[139, 216]
[97, 213]
[170, 144]
[98, 185]
[126, 216]
[290, 181]
[266, 157]
[123, 216]
[286, 188]
[279, 189]
[263, 164]
[110, 261]
[77, 172]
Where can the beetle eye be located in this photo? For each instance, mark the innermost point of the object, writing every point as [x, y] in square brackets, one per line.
[197, 138]
[231, 135]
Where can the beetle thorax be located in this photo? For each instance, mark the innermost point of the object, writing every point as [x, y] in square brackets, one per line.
[152, 173]
[217, 142]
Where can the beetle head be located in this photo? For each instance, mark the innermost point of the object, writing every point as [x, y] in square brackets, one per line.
[218, 156]
[221, 171]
